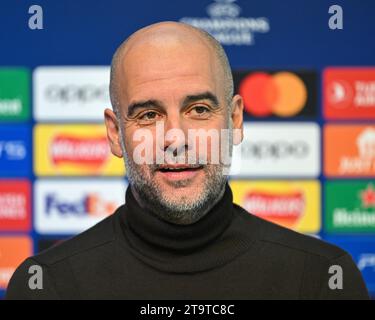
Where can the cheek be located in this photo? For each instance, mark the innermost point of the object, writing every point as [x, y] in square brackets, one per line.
[140, 145]
[207, 144]
[129, 144]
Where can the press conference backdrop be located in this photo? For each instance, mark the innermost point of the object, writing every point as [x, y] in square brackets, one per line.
[308, 157]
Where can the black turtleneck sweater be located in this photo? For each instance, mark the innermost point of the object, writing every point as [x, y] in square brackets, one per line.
[228, 254]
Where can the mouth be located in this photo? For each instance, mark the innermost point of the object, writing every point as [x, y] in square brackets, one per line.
[179, 172]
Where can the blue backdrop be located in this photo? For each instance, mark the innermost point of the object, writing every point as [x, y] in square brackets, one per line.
[87, 32]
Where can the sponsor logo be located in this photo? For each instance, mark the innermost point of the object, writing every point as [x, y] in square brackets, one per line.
[89, 204]
[350, 206]
[13, 251]
[12, 150]
[292, 204]
[71, 93]
[339, 93]
[227, 25]
[275, 149]
[349, 93]
[15, 207]
[349, 150]
[79, 151]
[15, 143]
[284, 209]
[281, 94]
[14, 94]
[69, 207]
[74, 150]
[366, 260]
[270, 149]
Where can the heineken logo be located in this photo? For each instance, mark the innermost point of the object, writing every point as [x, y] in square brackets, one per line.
[350, 207]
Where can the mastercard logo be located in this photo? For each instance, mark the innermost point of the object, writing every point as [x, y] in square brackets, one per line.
[283, 94]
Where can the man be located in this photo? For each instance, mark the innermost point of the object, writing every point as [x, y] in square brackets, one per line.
[179, 236]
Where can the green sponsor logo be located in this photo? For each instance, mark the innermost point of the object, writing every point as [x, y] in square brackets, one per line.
[14, 94]
[350, 206]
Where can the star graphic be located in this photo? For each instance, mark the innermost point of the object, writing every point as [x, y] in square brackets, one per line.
[368, 197]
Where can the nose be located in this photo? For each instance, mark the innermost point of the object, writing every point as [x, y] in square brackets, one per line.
[174, 142]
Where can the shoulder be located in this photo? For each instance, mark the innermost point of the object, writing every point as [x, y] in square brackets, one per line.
[307, 254]
[93, 238]
[55, 262]
[87, 242]
[281, 238]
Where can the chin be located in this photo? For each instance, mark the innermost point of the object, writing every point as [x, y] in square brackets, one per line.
[181, 196]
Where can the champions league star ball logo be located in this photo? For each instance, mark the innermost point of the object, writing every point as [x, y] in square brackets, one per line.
[223, 8]
[226, 24]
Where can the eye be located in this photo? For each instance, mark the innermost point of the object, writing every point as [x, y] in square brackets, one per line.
[149, 115]
[200, 111]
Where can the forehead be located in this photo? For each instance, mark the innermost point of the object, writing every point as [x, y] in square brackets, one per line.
[168, 66]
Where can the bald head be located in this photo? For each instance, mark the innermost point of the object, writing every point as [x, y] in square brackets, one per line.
[172, 92]
[160, 39]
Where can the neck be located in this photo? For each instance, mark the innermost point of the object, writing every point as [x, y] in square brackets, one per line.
[180, 217]
[205, 244]
[170, 236]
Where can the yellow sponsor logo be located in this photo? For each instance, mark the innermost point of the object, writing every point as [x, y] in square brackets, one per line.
[76, 150]
[293, 204]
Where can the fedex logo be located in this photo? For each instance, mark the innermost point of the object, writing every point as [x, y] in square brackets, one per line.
[71, 206]
[90, 204]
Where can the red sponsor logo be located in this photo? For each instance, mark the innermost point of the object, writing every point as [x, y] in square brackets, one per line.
[283, 94]
[368, 197]
[349, 93]
[90, 151]
[285, 209]
[15, 205]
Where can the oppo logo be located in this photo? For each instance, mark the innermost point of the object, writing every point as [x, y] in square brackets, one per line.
[275, 150]
[74, 93]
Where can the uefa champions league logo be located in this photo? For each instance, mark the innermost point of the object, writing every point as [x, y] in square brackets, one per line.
[227, 26]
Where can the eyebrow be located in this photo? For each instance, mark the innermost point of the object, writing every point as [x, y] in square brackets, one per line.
[202, 96]
[132, 108]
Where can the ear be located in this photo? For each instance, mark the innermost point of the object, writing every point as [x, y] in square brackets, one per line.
[237, 119]
[113, 133]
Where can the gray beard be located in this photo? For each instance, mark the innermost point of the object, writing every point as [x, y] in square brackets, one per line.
[183, 211]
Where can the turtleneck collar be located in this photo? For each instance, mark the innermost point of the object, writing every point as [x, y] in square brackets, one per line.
[181, 248]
